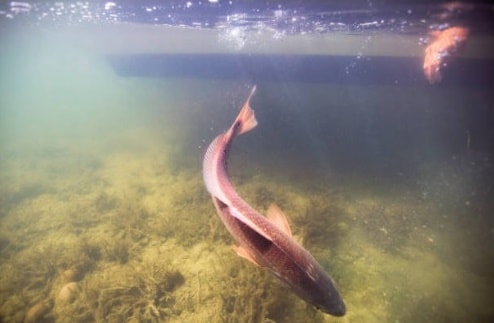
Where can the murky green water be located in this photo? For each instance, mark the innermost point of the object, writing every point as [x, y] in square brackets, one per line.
[104, 216]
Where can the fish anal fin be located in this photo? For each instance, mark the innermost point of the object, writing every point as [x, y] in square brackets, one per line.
[244, 253]
[246, 119]
[278, 218]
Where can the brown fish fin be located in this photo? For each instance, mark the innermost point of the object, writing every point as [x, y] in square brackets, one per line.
[246, 119]
[278, 218]
[244, 253]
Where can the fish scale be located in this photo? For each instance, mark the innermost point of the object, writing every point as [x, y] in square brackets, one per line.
[265, 241]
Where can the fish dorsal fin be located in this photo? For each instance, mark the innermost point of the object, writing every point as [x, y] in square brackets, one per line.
[278, 218]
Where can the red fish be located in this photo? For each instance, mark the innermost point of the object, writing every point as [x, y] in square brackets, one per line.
[446, 44]
[265, 241]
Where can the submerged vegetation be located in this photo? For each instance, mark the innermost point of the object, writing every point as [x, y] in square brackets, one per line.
[128, 236]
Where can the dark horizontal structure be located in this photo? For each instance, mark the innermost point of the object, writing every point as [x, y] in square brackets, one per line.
[301, 68]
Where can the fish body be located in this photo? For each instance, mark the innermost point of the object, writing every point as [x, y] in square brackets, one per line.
[265, 241]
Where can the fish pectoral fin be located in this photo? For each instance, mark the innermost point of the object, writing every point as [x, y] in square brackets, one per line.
[244, 253]
[278, 218]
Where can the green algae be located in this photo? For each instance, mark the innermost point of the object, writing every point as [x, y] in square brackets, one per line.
[127, 219]
[157, 252]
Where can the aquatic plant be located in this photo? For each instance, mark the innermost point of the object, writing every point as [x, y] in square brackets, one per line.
[27, 282]
[185, 212]
[254, 295]
[90, 248]
[247, 296]
[105, 202]
[129, 234]
[319, 223]
[125, 293]
[5, 243]
[130, 220]
[118, 249]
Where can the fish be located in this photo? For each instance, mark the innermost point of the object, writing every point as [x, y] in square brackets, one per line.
[446, 44]
[266, 241]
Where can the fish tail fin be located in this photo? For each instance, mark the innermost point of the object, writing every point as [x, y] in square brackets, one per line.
[246, 119]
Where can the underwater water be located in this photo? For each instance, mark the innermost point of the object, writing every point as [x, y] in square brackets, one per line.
[385, 178]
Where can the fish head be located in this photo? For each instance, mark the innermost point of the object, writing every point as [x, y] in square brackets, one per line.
[327, 299]
[318, 289]
[330, 305]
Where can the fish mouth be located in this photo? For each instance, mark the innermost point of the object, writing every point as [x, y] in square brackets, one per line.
[338, 309]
